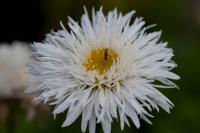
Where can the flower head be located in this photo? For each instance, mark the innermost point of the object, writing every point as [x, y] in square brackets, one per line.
[13, 61]
[13, 82]
[104, 69]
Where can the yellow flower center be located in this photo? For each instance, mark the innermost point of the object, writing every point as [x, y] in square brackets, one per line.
[100, 60]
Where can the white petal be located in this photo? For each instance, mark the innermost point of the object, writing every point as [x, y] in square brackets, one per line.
[92, 124]
[72, 117]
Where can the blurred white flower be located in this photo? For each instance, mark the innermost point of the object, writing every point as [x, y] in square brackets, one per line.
[13, 82]
[13, 61]
[103, 69]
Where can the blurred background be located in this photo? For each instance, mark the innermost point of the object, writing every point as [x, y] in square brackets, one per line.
[30, 20]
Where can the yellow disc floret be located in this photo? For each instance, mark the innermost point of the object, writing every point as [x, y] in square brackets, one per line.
[100, 60]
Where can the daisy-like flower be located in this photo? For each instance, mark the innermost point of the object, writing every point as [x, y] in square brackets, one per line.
[104, 69]
[13, 82]
[13, 61]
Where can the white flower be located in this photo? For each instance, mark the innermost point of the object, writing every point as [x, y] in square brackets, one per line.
[104, 69]
[12, 68]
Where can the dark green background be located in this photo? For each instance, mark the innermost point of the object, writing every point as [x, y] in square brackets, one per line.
[178, 19]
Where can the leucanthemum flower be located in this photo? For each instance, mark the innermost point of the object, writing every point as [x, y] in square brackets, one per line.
[104, 69]
[13, 59]
[13, 82]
